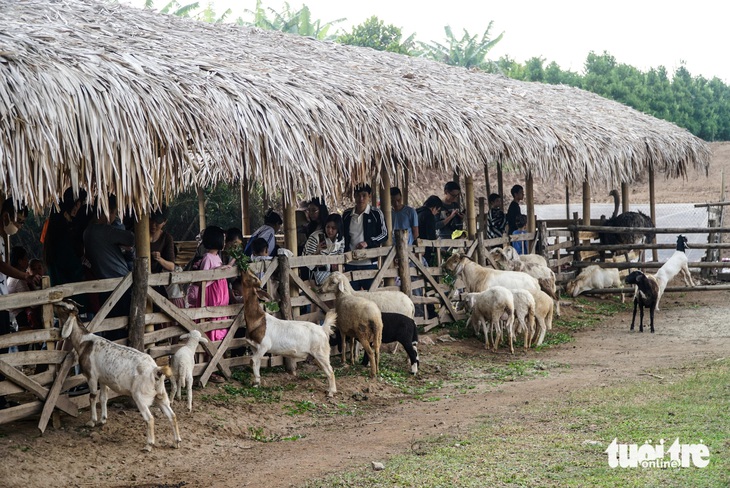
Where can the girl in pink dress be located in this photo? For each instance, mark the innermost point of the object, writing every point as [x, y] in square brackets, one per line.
[216, 292]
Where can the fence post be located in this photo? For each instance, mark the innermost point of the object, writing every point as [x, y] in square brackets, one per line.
[481, 252]
[543, 230]
[139, 303]
[285, 303]
[576, 239]
[401, 253]
[711, 255]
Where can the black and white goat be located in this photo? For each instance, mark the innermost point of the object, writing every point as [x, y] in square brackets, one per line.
[646, 294]
[674, 265]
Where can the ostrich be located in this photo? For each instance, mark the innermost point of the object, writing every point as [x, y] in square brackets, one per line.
[626, 219]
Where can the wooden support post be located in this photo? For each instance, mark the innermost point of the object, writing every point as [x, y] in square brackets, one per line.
[544, 236]
[374, 193]
[530, 197]
[140, 276]
[471, 217]
[500, 183]
[652, 208]
[406, 185]
[285, 301]
[401, 253]
[245, 207]
[482, 230]
[567, 202]
[481, 251]
[576, 240]
[625, 197]
[586, 203]
[487, 183]
[201, 208]
[385, 204]
[290, 223]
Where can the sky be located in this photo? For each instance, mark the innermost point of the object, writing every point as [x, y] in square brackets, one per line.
[641, 33]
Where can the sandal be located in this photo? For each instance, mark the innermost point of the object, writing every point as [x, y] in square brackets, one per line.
[216, 378]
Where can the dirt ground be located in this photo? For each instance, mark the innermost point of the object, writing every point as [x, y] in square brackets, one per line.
[367, 421]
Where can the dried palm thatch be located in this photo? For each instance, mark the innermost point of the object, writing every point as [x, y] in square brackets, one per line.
[123, 100]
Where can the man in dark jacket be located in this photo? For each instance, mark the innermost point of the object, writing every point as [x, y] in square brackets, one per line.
[364, 228]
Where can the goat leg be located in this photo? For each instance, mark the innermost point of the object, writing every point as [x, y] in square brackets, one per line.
[104, 397]
[651, 315]
[641, 318]
[147, 416]
[164, 404]
[93, 398]
[633, 318]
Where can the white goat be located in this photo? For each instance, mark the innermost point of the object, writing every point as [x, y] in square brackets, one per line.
[543, 316]
[478, 278]
[511, 254]
[125, 370]
[524, 323]
[676, 264]
[290, 338]
[183, 364]
[594, 278]
[359, 318]
[489, 309]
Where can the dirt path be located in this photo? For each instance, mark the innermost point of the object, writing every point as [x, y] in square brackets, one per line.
[218, 449]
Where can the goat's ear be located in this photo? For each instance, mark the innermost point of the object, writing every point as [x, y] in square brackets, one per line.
[341, 285]
[184, 336]
[68, 326]
[203, 339]
[263, 295]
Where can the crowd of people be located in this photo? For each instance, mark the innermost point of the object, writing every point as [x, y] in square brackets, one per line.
[83, 242]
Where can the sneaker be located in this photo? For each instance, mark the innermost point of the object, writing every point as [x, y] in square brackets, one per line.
[78, 390]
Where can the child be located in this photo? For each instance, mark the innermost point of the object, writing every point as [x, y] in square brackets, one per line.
[496, 220]
[521, 223]
[518, 194]
[327, 242]
[260, 252]
[216, 292]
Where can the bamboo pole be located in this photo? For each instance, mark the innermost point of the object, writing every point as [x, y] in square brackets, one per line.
[385, 204]
[201, 208]
[567, 202]
[471, 217]
[140, 275]
[401, 252]
[245, 207]
[625, 197]
[500, 183]
[404, 190]
[530, 197]
[652, 207]
[586, 203]
[482, 217]
[290, 224]
[487, 183]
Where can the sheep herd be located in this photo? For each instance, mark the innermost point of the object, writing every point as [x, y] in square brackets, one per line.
[518, 299]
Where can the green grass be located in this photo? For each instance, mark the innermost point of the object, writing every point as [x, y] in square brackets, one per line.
[562, 444]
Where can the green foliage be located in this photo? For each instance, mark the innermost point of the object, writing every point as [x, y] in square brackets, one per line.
[242, 260]
[469, 51]
[290, 21]
[298, 408]
[375, 34]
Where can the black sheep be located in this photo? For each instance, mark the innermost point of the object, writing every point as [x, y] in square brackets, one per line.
[400, 328]
[646, 295]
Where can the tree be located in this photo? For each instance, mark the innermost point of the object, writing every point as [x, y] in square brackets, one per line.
[375, 34]
[468, 51]
[293, 22]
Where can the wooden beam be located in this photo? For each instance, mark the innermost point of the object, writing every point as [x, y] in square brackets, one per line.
[625, 198]
[406, 185]
[530, 197]
[471, 217]
[652, 207]
[36, 388]
[216, 359]
[500, 183]
[245, 207]
[586, 203]
[385, 203]
[201, 207]
[383, 268]
[140, 275]
[290, 223]
[567, 202]
[487, 183]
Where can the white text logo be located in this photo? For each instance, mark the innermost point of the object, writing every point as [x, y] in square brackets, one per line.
[656, 456]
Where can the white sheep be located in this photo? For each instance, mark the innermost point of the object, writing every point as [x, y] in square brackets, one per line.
[542, 273]
[511, 254]
[295, 339]
[676, 264]
[389, 301]
[125, 370]
[478, 278]
[359, 318]
[183, 364]
[594, 278]
[489, 309]
[543, 316]
[524, 323]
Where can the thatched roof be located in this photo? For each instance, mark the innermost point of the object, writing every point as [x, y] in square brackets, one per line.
[145, 105]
